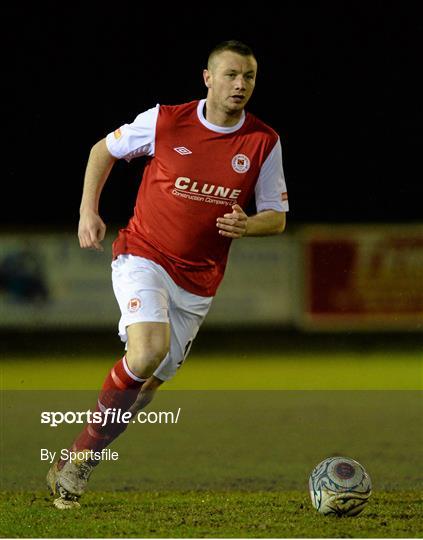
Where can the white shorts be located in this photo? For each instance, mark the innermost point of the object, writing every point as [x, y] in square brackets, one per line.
[146, 293]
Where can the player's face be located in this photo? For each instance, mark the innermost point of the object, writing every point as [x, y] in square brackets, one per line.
[230, 80]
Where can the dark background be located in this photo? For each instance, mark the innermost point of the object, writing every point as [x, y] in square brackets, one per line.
[337, 81]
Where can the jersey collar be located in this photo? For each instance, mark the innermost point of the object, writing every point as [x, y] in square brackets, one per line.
[213, 127]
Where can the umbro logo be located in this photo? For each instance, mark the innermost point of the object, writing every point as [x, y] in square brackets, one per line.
[182, 150]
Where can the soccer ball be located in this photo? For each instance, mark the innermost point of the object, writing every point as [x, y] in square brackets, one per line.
[339, 485]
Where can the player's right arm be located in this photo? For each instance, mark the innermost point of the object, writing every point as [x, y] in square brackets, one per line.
[91, 229]
[127, 142]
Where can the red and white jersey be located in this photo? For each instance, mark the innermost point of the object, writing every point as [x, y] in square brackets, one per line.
[195, 173]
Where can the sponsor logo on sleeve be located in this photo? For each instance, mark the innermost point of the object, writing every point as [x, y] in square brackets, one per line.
[284, 196]
[117, 133]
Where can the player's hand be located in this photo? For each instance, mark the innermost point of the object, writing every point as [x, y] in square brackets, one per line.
[91, 230]
[233, 225]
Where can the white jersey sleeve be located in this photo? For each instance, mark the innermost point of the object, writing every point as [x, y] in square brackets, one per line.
[136, 139]
[270, 191]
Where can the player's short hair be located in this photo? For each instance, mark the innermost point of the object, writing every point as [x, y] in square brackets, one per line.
[232, 45]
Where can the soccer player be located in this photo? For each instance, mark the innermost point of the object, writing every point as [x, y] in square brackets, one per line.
[206, 159]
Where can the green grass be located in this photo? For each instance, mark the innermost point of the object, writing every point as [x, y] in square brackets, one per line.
[252, 428]
[207, 514]
[380, 370]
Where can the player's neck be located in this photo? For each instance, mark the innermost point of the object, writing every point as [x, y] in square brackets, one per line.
[219, 117]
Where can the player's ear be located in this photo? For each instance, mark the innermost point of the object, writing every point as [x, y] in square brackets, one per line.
[207, 78]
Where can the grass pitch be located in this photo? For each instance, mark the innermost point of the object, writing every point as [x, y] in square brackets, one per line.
[251, 430]
[207, 514]
[302, 370]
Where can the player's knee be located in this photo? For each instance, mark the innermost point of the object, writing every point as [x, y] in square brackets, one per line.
[143, 362]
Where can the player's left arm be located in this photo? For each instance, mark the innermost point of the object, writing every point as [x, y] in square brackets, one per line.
[266, 223]
[271, 201]
[237, 224]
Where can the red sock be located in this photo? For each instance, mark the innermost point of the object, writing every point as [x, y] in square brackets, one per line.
[119, 391]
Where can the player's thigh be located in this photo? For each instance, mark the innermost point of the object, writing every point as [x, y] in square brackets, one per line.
[185, 321]
[148, 339]
[143, 297]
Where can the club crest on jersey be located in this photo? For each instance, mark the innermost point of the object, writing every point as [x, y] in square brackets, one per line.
[240, 163]
[134, 305]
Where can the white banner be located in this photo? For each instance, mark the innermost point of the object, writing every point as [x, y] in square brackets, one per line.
[47, 281]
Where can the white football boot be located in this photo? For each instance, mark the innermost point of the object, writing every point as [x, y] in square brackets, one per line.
[69, 482]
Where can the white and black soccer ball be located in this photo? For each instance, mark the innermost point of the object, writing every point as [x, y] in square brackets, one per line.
[339, 485]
